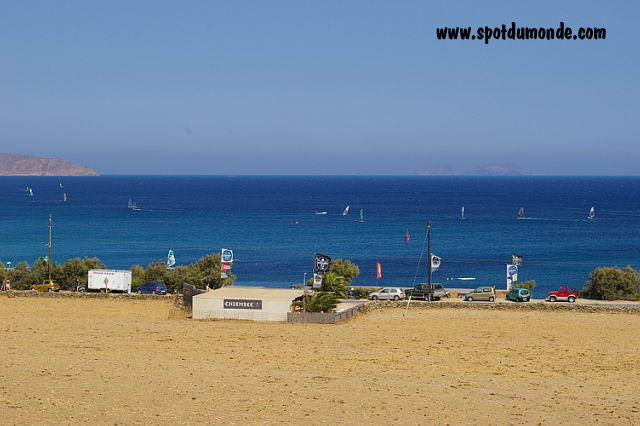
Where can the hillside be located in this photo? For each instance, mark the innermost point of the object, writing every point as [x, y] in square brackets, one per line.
[26, 165]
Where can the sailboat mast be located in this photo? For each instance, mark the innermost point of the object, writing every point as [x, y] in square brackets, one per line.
[429, 268]
[49, 246]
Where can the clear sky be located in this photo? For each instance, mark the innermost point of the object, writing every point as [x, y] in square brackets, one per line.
[313, 87]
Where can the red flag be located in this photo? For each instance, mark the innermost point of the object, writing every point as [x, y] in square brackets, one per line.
[378, 270]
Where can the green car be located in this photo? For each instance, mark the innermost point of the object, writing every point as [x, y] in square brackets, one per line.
[486, 294]
[518, 295]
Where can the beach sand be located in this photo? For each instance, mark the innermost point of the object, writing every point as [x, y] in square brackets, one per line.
[120, 361]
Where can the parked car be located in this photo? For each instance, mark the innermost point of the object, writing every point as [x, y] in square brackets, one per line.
[152, 287]
[423, 291]
[518, 295]
[48, 285]
[481, 293]
[563, 294]
[387, 293]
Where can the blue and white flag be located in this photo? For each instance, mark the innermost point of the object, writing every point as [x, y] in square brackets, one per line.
[226, 255]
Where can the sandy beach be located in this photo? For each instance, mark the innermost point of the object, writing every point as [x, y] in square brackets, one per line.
[121, 361]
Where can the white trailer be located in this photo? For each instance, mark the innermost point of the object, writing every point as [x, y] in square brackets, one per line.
[111, 279]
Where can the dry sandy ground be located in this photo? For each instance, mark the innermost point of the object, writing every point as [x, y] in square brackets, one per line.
[123, 362]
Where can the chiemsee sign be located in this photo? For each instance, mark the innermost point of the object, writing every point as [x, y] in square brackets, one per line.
[242, 304]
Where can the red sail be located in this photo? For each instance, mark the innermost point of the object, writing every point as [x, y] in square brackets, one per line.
[407, 237]
[378, 270]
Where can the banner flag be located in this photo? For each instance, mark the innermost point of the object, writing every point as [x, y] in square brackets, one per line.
[321, 263]
[516, 259]
[317, 280]
[512, 270]
[435, 262]
[224, 267]
[378, 270]
[226, 255]
[223, 275]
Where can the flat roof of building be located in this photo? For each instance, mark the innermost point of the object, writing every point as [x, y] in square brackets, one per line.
[263, 293]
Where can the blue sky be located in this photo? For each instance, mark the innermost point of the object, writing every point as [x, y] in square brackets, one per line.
[309, 87]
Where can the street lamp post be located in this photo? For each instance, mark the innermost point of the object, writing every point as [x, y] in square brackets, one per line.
[304, 280]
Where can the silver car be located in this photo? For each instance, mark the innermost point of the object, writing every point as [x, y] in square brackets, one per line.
[387, 293]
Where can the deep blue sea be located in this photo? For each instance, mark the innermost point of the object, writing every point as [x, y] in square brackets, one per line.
[253, 215]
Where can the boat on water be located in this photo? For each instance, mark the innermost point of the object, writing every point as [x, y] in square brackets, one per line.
[592, 213]
[521, 213]
[462, 213]
[171, 260]
[132, 205]
[320, 212]
[361, 220]
[345, 211]
[64, 197]
[407, 237]
[30, 192]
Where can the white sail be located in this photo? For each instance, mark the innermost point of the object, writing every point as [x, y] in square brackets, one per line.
[30, 192]
[521, 213]
[462, 213]
[361, 216]
[592, 213]
[171, 259]
[346, 211]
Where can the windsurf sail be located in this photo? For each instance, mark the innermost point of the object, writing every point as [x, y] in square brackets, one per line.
[521, 213]
[462, 213]
[171, 259]
[592, 213]
[407, 237]
[361, 216]
[346, 211]
[64, 196]
[30, 192]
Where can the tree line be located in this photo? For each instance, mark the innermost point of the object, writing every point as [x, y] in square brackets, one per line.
[202, 273]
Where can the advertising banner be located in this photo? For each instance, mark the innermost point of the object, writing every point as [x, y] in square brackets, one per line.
[226, 255]
[317, 280]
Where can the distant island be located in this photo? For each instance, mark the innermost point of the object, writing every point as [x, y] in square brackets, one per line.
[503, 169]
[27, 165]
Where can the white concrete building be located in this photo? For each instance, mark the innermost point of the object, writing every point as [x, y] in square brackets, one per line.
[247, 303]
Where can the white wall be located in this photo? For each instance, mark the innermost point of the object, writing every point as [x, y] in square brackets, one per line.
[212, 308]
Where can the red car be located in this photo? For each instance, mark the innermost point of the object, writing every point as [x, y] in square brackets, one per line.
[563, 294]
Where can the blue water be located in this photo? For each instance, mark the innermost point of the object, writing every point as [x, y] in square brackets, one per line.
[197, 215]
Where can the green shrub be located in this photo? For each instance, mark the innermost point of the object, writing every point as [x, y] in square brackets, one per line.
[322, 302]
[345, 269]
[613, 284]
[529, 285]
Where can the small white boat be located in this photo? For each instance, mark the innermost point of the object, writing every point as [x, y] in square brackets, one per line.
[521, 213]
[592, 213]
[320, 213]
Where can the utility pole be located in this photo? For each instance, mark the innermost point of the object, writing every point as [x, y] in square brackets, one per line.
[429, 259]
[49, 246]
